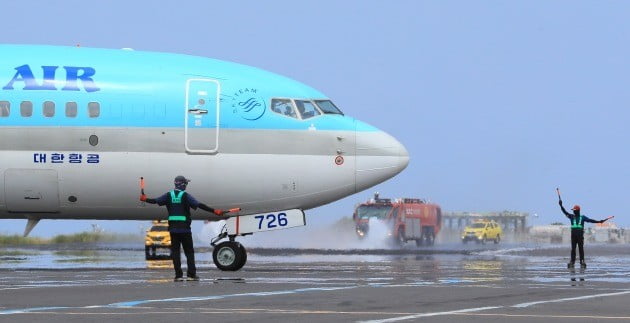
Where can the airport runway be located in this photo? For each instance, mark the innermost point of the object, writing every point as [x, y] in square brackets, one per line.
[501, 284]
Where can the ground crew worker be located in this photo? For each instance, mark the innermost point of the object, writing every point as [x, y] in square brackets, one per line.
[577, 232]
[178, 203]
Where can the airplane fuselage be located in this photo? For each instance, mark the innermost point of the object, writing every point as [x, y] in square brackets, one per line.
[80, 126]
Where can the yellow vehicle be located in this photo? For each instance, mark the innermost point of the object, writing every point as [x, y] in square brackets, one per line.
[157, 237]
[482, 231]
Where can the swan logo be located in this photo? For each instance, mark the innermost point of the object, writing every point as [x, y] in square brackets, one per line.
[248, 104]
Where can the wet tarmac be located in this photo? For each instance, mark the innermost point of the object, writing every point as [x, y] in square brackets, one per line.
[450, 283]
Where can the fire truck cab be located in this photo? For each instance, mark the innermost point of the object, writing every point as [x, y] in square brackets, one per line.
[407, 219]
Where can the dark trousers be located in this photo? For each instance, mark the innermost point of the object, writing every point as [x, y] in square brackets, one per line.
[577, 238]
[185, 239]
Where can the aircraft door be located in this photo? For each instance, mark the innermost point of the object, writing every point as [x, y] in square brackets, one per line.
[201, 127]
[31, 190]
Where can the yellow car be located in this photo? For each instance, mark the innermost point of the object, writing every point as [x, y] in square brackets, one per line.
[157, 237]
[482, 231]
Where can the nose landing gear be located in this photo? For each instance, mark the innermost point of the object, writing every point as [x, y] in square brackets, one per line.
[231, 255]
[228, 255]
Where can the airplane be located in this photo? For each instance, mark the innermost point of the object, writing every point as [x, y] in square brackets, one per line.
[80, 126]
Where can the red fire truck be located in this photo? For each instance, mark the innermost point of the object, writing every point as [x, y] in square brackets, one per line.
[406, 219]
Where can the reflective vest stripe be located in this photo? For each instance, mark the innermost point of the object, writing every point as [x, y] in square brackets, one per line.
[576, 223]
[176, 199]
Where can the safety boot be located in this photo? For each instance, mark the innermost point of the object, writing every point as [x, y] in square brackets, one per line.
[571, 264]
[178, 279]
[582, 264]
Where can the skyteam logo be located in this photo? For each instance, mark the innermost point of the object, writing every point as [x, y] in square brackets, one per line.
[248, 104]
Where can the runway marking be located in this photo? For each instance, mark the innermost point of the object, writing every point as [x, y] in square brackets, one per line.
[548, 316]
[219, 311]
[178, 311]
[416, 316]
[15, 288]
[521, 305]
[404, 316]
[559, 300]
[33, 309]
[215, 297]
[182, 299]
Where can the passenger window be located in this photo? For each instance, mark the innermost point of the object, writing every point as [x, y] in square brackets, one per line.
[26, 108]
[49, 109]
[5, 108]
[307, 109]
[94, 109]
[71, 109]
[284, 107]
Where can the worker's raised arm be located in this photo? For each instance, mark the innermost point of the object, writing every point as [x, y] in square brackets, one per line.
[587, 219]
[144, 198]
[192, 201]
[160, 200]
[209, 209]
[567, 214]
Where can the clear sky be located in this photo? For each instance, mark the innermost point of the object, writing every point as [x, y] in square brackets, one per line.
[498, 102]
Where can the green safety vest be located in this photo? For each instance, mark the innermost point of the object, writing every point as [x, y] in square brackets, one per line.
[176, 199]
[576, 222]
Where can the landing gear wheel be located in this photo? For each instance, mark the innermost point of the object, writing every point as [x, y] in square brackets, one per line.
[483, 241]
[229, 256]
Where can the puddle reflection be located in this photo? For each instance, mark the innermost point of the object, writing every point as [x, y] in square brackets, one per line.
[160, 264]
[577, 276]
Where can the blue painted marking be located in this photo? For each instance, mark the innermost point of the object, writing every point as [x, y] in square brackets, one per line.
[454, 281]
[215, 297]
[204, 298]
[33, 309]
[73, 158]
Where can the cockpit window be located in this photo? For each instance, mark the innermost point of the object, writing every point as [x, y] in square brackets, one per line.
[284, 107]
[307, 109]
[303, 108]
[328, 107]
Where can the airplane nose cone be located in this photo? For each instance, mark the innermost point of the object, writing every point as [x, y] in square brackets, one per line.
[379, 157]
